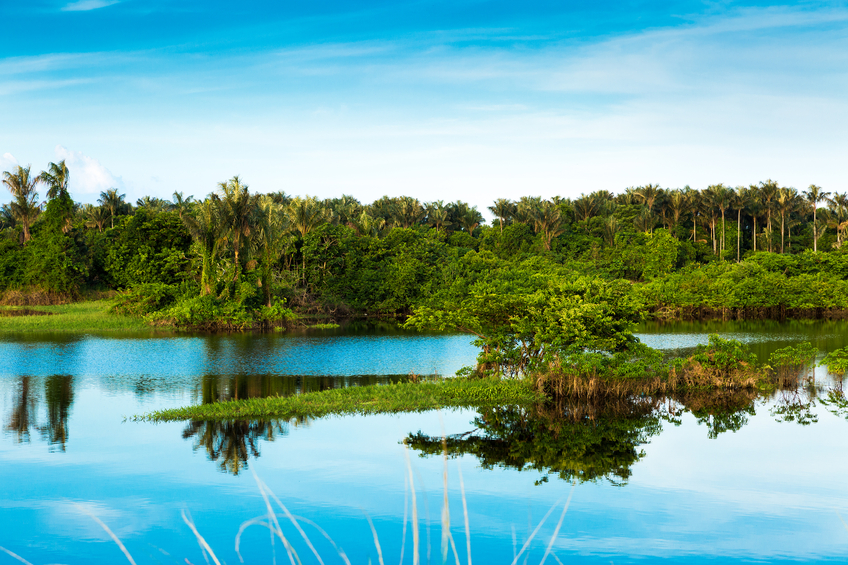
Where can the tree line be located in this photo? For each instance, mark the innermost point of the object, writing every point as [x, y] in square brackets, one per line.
[345, 256]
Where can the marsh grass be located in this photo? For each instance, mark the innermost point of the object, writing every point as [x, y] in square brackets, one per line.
[372, 399]
[91, 316]
[720, 365]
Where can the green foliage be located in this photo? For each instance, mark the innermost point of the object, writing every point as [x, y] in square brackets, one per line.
[526, 314]
[145, 299]
[836, 362]
[146, 248]
[787, 362]
[723, 356]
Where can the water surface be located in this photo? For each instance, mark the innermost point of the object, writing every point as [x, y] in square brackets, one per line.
[678, 480]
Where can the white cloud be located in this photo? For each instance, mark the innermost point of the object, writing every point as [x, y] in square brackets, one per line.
[8, 161]
[88, 176]
[86, 5]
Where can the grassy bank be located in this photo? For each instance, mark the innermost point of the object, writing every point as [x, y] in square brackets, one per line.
[374, 399]
[92, 316]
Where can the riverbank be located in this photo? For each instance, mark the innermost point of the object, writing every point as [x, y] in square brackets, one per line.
[91, 316]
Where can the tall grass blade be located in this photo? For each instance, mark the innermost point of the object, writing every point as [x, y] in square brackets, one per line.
[15, 556]
[465, 511]
[376, 539]
[272, 519]
[843, 521]
[291, 519]
[405, 516]
[339, 550]
[112, 535]
[415, 541]
[559, 525]
[535, 531]
[447, 536]
[200, 541]
[445, 502]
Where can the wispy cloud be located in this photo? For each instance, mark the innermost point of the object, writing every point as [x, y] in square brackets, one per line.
[88, 175]
[86, 5]
[8, 162]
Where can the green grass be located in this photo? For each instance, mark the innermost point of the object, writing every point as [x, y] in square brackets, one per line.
[92, 316]
[373, 399]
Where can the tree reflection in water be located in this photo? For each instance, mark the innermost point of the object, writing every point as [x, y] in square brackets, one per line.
[575, 440]
[23, 413]
[232, 443]
[58, 397]
[584, 441]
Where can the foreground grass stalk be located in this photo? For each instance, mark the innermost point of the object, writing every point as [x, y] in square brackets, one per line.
[559, 524]
[200, 539]
[415, 540]
[464, 511]
[110, 532]
[14, 556]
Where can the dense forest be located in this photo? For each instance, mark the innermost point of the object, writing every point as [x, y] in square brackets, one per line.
[238, 258]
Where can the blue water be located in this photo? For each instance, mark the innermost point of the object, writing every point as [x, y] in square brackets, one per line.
[769, 492]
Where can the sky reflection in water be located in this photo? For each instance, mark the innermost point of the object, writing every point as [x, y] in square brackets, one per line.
[767, 492]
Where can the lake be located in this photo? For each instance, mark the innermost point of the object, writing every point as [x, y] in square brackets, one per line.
[683, 480]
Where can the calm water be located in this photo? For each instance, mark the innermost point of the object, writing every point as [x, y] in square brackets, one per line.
[676, 481]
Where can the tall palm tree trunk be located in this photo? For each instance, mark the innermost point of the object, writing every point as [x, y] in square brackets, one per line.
[739, 235]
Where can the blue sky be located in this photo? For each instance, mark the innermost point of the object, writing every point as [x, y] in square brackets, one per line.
[439, 100]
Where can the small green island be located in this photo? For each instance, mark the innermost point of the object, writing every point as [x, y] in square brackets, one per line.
[551, 291]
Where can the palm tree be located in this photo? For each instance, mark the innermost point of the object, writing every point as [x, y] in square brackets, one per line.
[271, 240]
[838, 205]
[610, 230]
[407, 212]
[24, 208]
[693, 203]
[586, 207]
[471, 219]
[437, 215]
[755, 209]
[152, 203]
[525, 209]
[503, 209]
[548, 221]
[722, 198]
[814, 195]
[648, 194]
[56, 178]
[305, 214]
[206, 229]
[112, 201]
[7, 218]
[95, 217]
[741, 199]
[784, 206]
[367, 224]
[676, 205]
[182, 204]
[768, 194]
[645, 221]
[237, 212]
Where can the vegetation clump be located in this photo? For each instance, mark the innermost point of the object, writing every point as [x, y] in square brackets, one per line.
[374, 399]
